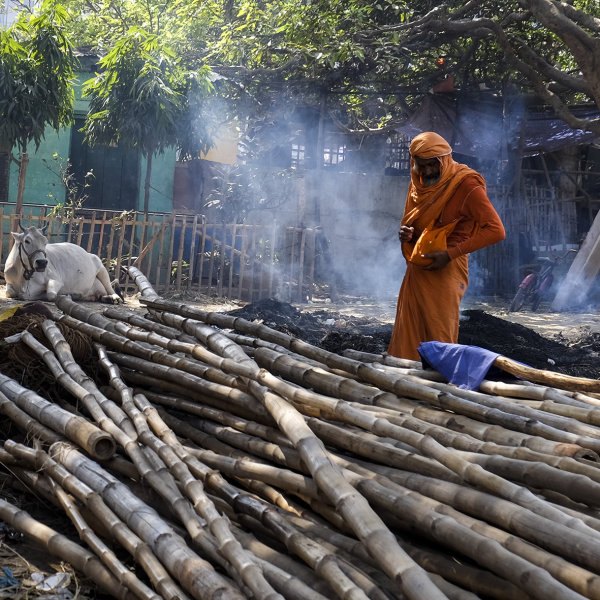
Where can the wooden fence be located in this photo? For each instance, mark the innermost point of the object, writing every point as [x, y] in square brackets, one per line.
[537, 219]
[184, 253]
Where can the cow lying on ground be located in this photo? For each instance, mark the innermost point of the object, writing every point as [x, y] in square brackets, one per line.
[37, 270]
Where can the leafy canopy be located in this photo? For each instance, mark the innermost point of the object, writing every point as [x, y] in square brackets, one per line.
[371, 63]
[36, 76]
[142, 95]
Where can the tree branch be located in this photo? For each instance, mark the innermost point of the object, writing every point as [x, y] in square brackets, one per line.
[584, 19]
[585, 48]
[531, 65]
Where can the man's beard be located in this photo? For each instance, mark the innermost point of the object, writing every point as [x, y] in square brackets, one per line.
[431, 180]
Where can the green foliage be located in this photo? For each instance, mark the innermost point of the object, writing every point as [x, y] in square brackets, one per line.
[374, 61]
[134, 100]
[143, 98]
[36, 76]
[74, 195]
[182, 24]
[368, 63]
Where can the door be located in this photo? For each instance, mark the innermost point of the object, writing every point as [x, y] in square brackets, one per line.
[115, 181]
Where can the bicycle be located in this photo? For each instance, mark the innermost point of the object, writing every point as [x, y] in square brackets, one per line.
[536, 283]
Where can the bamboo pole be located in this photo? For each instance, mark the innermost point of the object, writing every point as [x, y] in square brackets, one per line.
[61, 546]
[337, 386]
[96, 442]
[468, 472]
[507, 514]
[119, 531]
[367, 451]
[325, 563]
[367, 525]
[168, 371]
[469, 577]
[121, 573]
[92, 233]
[558, 380]
[120, 244]
[193, 252]
[179, 274]
[196, 575]
[86, 397]
[67, 361]
[394, 561]
[535, 581]
[250, 574]
[30, 426]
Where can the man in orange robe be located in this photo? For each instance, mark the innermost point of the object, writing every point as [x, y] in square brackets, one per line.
[444, 197]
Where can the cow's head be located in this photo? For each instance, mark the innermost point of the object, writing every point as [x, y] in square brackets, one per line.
[32, 248]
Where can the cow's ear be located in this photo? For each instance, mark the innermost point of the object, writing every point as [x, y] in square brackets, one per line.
[17, 236]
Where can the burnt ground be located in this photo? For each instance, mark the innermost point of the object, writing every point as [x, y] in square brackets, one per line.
[578, 356]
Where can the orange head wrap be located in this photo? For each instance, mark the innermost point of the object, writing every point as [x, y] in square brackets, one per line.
[426, 202]
[429, 145]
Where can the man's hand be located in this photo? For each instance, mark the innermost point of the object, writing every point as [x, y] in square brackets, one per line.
[439, 260]
[406, 233]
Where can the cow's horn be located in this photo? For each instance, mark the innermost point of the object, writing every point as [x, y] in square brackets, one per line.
[21, 227]
[45, 228]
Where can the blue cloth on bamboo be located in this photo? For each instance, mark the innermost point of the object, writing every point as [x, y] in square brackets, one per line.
[464, 366]
[9, 579]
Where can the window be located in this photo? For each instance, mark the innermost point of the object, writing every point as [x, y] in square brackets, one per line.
[298, 151]
[333, 154]
[398, 156]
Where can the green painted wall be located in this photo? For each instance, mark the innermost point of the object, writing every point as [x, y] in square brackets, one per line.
[161, 183]
[43, 186]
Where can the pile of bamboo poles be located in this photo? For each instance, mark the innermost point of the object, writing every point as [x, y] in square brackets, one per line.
[218, 458]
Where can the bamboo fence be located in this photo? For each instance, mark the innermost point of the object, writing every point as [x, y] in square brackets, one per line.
[186, 254]
[206, 456]
[182, 253]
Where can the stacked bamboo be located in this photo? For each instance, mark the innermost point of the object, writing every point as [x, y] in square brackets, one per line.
[212, 457]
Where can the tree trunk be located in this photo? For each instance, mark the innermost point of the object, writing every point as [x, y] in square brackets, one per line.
[147, 184]
[21, 187]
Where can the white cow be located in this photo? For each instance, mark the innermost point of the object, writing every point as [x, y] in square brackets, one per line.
[37, 270]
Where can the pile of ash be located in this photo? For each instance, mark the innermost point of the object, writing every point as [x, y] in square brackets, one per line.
[337, 332]
[329, 330]
[478, 328]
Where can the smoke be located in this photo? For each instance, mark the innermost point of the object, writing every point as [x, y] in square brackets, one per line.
[357, 206]
[360, 215]
[369, 262]
[476, 281]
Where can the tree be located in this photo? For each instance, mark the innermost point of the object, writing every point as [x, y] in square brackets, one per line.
[142, 98]
[548, 46]
[369, 64]
[374, 61]
[36, 77]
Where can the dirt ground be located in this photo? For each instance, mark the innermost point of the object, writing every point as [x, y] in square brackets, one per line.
[564, 342]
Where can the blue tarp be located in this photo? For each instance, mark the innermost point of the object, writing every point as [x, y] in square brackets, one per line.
[464, 366]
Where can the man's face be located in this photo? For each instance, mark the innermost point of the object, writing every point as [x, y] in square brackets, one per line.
[428, 169]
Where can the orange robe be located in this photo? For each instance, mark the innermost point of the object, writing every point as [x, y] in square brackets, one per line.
[428, 303]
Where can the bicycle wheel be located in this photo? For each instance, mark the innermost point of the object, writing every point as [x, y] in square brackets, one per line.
[518, 300]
